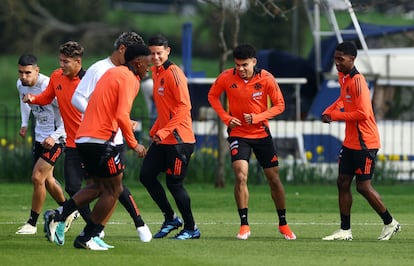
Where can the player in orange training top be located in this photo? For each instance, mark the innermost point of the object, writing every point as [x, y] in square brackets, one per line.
[108, 109]
[173, 142]
[360, 146]
[247, 89]
[62, 84]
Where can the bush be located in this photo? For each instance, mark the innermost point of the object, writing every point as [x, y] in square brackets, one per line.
[17, 161]
[294, 172]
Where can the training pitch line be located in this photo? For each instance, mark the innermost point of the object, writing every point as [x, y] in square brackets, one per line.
[221, 223]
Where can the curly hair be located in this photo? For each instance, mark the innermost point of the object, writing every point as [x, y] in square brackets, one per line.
[71, 49]
[127, 39]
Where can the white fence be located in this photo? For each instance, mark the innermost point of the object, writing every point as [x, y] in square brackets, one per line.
[319, 143]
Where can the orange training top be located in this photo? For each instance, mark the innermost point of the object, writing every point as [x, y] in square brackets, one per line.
[110, 105]
[63, 88]
[361, 130]
[172, 99]
[247, 97]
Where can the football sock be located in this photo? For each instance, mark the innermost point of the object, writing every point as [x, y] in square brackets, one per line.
[345, 222]
[138, 221]
[157, 193]
[97, 229]
[282, 216]
[33, 218]
[386, 217]
[85, 212]
[64, 211]
[168, 216]
[243, 216]
[183, 201]
[90, 230]
[129, 204]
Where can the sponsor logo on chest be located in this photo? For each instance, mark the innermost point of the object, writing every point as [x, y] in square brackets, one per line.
[161, 89]
[257, 94]
[348, 97]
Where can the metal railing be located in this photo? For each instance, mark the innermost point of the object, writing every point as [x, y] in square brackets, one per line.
[309, 142]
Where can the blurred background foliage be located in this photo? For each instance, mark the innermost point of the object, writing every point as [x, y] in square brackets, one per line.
[41, 25]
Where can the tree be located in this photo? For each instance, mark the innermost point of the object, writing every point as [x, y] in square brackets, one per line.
[41, 24]
[225, 10]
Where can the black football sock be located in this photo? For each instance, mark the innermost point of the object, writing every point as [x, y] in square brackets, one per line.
[243, 216]
[90, 230]
[129, 204]
[157, 193]
[64, 211]
[33, 218]
[282, 216]
[345, 222]
[183, 202]
[386, 217]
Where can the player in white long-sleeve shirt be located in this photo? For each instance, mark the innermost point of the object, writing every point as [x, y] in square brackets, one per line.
[80, 100]
[49, 139]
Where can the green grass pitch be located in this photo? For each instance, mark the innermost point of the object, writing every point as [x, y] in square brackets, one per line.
[312, 213]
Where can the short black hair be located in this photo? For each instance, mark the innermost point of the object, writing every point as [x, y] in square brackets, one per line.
[27, 60]
[136, 50]
[158, 40]
[71, 49]
[244, 51]
[128, 38]
[347, 48]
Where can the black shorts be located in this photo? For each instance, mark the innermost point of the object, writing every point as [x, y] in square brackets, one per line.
[171, 159]
[49, 155]
[101, 160]
[360, 163]
[73, 170]
[122, 151]
[264, 150]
